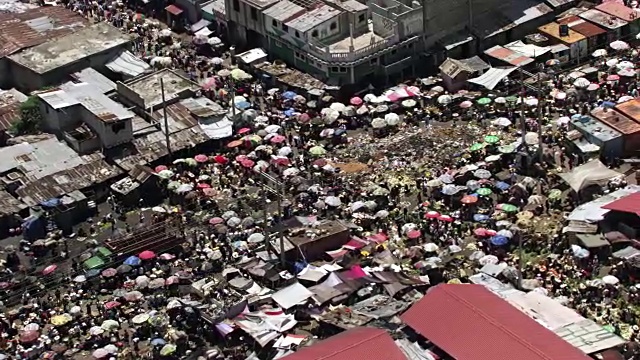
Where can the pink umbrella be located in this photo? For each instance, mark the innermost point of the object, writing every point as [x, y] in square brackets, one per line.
[393, 97]
[216, 221]
[303, 118]
[147, 255]
[241, 158]
[203, 186]
[613, 78]
[445, 218]
[111, 305]
[355, 101]
[414, 234]
[167, 256]
[466, 104]
[432, 215]
[109, 272]
[172, 280]
[244, 131]
[491, 232]
[247, 163]
[49, 269]
[209, 83]
[278, 139]
[282, 161]
[160, 168]
[201, 158]
[480, 232]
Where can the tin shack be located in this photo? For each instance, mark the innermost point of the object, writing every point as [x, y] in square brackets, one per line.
[610, 141]
[577, 43]
[620, 122]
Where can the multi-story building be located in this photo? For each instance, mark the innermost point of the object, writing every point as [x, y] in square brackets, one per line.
[344, 42]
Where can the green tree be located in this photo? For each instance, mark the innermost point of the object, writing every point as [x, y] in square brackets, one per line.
[30, 118]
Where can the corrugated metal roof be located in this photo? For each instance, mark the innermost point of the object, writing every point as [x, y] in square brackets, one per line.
[616, 120]
[93, 77]
[587, 29]
[36, 26]
[469, 322]
[10, 205]
[39, 159]
[603, 19]
[630, 108]
[9, 114]
[284, 11]
[127, 64]
[361, 343]
[618, 10]
[628, 204]
[508, 56]
[313, 18]
[553, 30]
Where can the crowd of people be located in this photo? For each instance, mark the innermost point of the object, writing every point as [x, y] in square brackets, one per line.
[435, 181]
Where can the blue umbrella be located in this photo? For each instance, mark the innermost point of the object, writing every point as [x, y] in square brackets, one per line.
[132, 261]
[502, 185]
[480, 217]
[289, 95]
[243, 105]
[339, 132]
[499, 240]
[289, 112]
[92, 273]
[158, 342]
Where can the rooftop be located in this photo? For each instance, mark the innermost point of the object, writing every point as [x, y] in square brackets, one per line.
[64, 50]
[553, 30]
[10, 107]
[596, 128]
[260, 4]
[313, 18]
[586, 28]
[627, 204]
[91, 98]
[10, 205]
[184, 114]
[350, 5]
[508, 56]
[148, 87]
[618, 10]
[215, 6]
[616, 120]
[36, 26]
[630, 108]
[469, 322]
[359, 42]
[94, 78]
[524, 12]
[603, 19]
[284, 11]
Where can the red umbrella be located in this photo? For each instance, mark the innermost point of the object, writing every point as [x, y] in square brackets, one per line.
[209, 192]
[216, 221]
[29, 336]
[203, 186]
[282, 161]
[469, 199]
[111, 305]
[147, 255]
[220, 159]
[445, 218]
[235, 143]
[109, 272]
[414, 234]
[49, 269]
[241, 158]
[244, 131]
[247, 163]
[432, 215]
[201, 158]
[491, 232]
[278, 139]
[480, 232]
[304, 118]
[160, 168]
[425, 204]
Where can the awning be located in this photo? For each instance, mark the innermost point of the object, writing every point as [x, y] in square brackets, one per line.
[591, 173]
[492, 77]
[200, 25]
[173, 10]
[127, 64]
[204, 32]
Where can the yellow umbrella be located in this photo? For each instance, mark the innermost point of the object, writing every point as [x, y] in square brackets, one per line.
[59, 320]
[239, 74]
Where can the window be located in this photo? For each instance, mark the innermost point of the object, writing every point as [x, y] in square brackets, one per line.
[236, 5]
[297, 34]
[117, 127]
[333, 26]
[334, 69]
[285, 28]
[361, 18]
[254, 14]
[393, 52]
[274, 23]
[343, 69]
[314, 33]
[374, 61]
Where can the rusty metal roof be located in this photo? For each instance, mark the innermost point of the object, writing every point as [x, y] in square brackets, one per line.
[36, 26]
[66, 181]
[9, 114]
[616, 120]
[10, 205]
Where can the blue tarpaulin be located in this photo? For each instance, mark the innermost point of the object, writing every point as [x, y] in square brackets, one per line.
[51, 202]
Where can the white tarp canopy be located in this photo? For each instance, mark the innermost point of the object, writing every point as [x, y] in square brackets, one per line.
[592, 173]
[528, 50]
[219, 129]
[127, 64]
[312, 273]
[492, 77]
[593, 212]
[292, 295]
[253, 55]
[204, 32]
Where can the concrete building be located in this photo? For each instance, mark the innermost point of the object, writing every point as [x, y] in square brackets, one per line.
[66, 112]
[145, 93]
[50, 63]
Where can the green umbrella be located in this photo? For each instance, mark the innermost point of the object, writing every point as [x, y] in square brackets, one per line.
[317, 151]
[507, 149]
[508, 208]
[172, 185]
[484, 101]
[476, 147]
[484, 191]
[511, 99]
[554, 194]
[491, 139]
[609, 328]
[168, 350]
[190, 162]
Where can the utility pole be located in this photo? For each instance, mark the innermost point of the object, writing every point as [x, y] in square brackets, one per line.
[278, 191]
[166, 122]
[540, 103]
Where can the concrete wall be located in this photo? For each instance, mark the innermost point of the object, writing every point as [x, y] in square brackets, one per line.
[110, 133]
[58, 120]
[443, 17]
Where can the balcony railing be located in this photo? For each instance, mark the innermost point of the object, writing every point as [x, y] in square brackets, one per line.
[325, 53]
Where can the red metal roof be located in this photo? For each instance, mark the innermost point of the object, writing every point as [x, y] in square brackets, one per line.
[361, 343]
[469, 322]
[174, 10]
[627, 204]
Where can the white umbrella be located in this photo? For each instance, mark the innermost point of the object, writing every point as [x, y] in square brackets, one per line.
[96, 330]
[454, 249]
[217, 61]
[561, 95]
[140, 318]
[291, 172]
[482, 174]
[164, 33]
[408, 227]
[430, 247]
[531, 101]
[625, 65]
[392, 119]
[349, 111]
[378, 123]
[500, 100]
[505, 233]
[531, 138]
[563, 120]
[330, 115]
[599, 53]
[80, 279]
[409, 103]
[638, 36]
[610, 280]
[382, 214]
[450, 189]
[357, 206]
[362, 110]
[444, 99]
[110, 324]
[501, 121]
[612, 62]
[255, 238]
[488, 259]
[379, 100]
[619, 45]
[183, 188]
[581, 82]
[271, 129]
[142, 281]
[158, 209]
[369, 97]
[333, 201]
[285, 151]
[339, 107]
[229, 214]
[214, 41]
